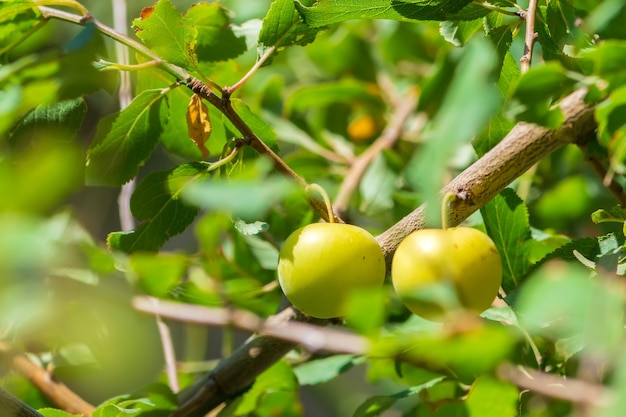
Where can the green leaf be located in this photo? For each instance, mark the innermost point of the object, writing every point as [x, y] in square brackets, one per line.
[60, 120]
[493, 132]
[260, 127]
[157, 203]
[490, 397]
[506, 221]
[439, 9]
[16, 23]
[158, 274]
[283, 27]
[216, 39]
[562, 22]
[324, 94]
[326, 12]
[502, 38]
[467, 353]
[463, 97]
[248, 199]
[560, 300]
[377, 187]
[459, 32]
[278, 378]
[535, 91]
[168, 34]
[51, 412]
[40, 177]
[125, 140]
[319, 371]
[614, 214]
[374, 406]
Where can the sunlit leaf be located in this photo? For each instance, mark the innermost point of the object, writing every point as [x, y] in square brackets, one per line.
[613, 214]
[283, 27]
[535, 91]
[51, 412]
[278, 378]
[217, 38]
[168, 34]
[326, 12]
[125, 140]
[506, 221]
[560, 300]
[158, 274]
[489, 397]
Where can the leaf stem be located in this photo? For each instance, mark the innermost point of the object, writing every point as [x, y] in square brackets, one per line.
[225, 160]
[112, 66]
[321, 191]
[446, 201]
[72, 4]
[494, 8]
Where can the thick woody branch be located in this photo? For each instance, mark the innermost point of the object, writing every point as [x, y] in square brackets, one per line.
[524, 146]
[13, 407]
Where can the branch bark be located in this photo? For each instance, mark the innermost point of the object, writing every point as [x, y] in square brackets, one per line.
[57, 392]
[12, 407]
[524, 146]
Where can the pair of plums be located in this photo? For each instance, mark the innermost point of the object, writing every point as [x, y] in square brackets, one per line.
[321, 264]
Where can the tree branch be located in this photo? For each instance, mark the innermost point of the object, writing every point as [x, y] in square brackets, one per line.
[12, 407]
[386, 140]
[309, 334]
[525, 145]
[529, 38]
[57, 392]
[576, 391]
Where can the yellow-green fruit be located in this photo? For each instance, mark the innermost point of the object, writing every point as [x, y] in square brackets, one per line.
[463, 256]
[321, 264]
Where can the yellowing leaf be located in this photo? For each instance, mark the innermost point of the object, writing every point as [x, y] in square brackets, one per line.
[198, 123]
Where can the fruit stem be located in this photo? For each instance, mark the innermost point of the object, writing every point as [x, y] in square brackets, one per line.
[321, 191]
[445, 208]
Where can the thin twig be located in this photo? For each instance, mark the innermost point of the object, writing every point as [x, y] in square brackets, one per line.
[609, 182]
[125, 96]
[529, 38]
[386, 140]
[168, 353]
[574, 390]
[255, 67]
[314, 338]
[55, 391]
